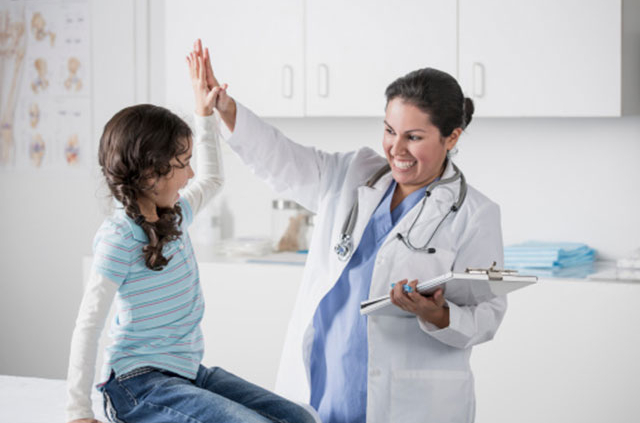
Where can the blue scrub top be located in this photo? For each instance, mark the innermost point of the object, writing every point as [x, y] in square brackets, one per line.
[339, 353]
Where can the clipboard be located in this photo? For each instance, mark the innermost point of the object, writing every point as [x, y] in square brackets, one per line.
[472, 287]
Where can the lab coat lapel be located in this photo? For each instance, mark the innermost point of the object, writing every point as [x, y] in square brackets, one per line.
[368, 200]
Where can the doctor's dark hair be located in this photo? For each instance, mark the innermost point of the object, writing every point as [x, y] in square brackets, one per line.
[138, 143]
[436, 93]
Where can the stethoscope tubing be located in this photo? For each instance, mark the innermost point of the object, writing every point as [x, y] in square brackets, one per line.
[344, 248]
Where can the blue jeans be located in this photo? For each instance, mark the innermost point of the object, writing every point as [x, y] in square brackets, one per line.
[152, 395]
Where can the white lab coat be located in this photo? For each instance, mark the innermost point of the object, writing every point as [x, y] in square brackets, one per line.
[417, 372]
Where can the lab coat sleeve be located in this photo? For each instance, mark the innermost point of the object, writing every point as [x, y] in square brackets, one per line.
[210, 176]
[480, 246]
[294, 171]
[95, 306]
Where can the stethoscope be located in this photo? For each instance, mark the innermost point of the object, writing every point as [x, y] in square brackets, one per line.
[344, 247]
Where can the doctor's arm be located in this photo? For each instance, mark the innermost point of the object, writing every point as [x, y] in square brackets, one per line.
[294, 171]
[480, 246]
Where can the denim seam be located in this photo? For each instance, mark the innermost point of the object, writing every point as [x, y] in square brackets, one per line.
[136, 372]
[270, 417]
[168, 410]
[129, 394]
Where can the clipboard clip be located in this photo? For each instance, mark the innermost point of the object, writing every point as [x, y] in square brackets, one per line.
[493, 273]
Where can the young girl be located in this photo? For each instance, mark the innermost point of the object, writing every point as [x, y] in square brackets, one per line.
[143, 257]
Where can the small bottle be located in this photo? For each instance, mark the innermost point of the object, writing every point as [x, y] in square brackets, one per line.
[288, 226]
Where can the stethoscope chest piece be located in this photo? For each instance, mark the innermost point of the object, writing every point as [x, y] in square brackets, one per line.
[344, 247]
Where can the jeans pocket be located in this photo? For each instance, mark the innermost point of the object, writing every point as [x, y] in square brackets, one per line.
[109, 409]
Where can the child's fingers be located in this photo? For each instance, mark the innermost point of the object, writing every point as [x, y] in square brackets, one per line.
[197, 46]
[190, 62]
[201, 74]
[197, 62]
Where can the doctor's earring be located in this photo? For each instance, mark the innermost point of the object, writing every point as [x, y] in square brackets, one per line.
[452, 152]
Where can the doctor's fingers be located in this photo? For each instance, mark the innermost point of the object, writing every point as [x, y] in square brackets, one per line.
[224, 100]
[211, 79]
[438, 297]
[212, 97]
[396, 292]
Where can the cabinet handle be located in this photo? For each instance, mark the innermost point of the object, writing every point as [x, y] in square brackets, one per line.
[287, 81]
[323, 80]
[478, 80]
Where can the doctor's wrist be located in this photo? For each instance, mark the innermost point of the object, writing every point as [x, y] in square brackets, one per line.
[439, 318]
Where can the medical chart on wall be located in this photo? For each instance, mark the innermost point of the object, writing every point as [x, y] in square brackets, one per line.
[45, 113]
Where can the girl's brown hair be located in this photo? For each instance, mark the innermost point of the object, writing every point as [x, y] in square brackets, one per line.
[137, 144]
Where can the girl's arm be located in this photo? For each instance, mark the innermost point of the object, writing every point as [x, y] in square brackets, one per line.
[209, 179]
[94, 309]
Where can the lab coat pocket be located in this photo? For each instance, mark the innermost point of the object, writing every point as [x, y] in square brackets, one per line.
[434, 396]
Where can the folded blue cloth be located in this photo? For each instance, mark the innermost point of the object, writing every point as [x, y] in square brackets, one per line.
[549, 255]
[581, 271]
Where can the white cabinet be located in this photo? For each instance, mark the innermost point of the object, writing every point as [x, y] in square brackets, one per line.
[543, 58]
[247, 311]
[353, 51]
[567, 351]
[256, 47]
[288, 58]
[355, 48]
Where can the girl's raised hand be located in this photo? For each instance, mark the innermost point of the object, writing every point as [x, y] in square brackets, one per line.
[205, 97]
[221, 100]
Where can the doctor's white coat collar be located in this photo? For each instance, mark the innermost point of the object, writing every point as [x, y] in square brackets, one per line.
[443, 194]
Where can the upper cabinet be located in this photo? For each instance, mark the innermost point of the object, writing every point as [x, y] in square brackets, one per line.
[355, 48]
[335, 58]
[256, 47]
[542, 58]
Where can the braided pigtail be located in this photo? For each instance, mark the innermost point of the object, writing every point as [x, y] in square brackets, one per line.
[137, 145]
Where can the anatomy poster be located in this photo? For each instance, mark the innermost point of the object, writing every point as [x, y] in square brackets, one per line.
[45, 84]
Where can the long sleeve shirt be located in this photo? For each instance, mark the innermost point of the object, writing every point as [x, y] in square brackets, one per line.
[158, 312]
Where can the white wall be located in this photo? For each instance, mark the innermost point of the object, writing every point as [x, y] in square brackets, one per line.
[555, 179]
[564, 179]
[48, 219]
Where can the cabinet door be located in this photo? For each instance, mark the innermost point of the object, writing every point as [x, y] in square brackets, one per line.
[256, 47]
[541, 58]
[356, 48]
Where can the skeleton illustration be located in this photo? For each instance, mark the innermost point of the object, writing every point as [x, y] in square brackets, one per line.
[12, 51]
[37, 150]
[72, 150]
[34, 114]
[73, 79]
[38, 25]
[41, 82]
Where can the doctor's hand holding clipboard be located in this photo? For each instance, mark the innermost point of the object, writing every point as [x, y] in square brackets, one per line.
[402, 213]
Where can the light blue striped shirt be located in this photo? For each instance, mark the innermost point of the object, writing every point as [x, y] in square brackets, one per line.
[158, 312]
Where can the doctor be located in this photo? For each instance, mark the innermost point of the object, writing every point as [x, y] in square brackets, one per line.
[382, 369]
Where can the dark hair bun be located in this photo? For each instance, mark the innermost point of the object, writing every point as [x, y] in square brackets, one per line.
[468, 110]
